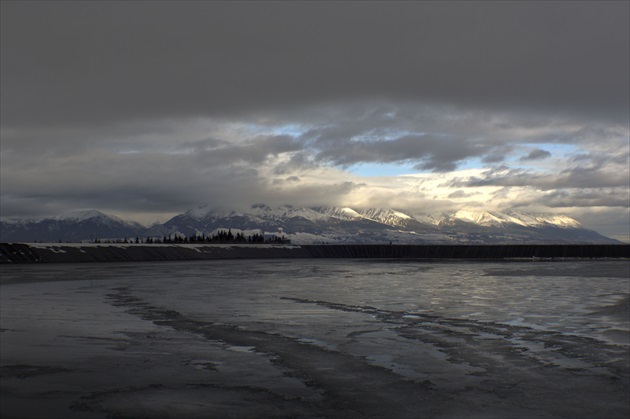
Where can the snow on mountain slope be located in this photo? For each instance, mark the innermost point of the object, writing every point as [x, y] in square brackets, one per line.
[343, 213]
[15, 221]
[74, 226]
[74, 216]
[262, 211]
[534, 220]
[78, 216]
[482, 218]
[386, 216]
[320, 224]
[498, 219]
[99, 217]
[204, 212]
[344, 224]
[426, 218]
[289, 211]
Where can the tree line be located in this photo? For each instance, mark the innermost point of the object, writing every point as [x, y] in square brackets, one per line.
[220, 237]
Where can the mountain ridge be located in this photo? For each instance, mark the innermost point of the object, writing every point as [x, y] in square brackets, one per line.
[320, 224]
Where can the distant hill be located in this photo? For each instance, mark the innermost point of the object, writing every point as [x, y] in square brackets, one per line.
[318, 225]
[74, 227]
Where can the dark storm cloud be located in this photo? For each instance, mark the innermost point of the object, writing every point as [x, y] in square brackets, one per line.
[436, 138]
[437, 153]
[576, 177]
[537, 154]
[68, 63]
[148, 182]
[495, 157]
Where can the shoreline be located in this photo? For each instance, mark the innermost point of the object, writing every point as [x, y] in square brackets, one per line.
[29, 253]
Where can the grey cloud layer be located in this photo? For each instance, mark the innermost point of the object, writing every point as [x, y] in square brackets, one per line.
[174, 171]
[536, 155]
[68, 63]
[442, 138]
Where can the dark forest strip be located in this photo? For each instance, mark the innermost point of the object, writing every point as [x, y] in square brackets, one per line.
[72, 253]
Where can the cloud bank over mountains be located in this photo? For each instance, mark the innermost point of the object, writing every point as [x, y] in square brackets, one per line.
[147, 109]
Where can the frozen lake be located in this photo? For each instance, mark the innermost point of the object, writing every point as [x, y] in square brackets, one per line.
[316, 338]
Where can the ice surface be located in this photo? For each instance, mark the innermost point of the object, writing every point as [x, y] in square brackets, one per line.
[316, 338]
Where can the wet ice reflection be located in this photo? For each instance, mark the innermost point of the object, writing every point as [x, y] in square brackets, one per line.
[305, 337]
[528, 294]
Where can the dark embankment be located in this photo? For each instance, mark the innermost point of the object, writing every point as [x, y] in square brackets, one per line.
[71, 253]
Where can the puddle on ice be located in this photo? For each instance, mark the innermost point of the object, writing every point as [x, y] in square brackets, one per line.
[235, 348]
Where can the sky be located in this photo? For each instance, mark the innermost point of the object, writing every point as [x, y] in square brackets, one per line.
[147, 109]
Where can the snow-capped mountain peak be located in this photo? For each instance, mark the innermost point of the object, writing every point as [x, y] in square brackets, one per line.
[386, 216]
[499, 219]
[199, 212]
[542, 219]
[79, 216]
[560, 220]
[320, 224]
[338, 212]
[482, 218]
[73, 226]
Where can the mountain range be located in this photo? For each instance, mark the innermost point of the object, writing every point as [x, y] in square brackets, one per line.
[316, 225]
